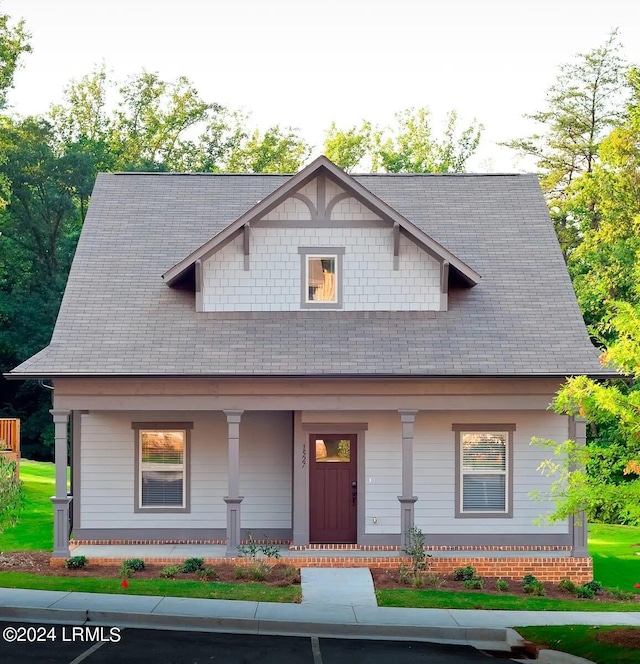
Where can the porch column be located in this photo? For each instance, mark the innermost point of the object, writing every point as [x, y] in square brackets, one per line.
[234, 498]
[407, 499]
[61, 500]
[578, 522]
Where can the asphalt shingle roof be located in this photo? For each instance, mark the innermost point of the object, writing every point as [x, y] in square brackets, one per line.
[119, 317]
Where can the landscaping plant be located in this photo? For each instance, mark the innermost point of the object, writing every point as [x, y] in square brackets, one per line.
[76, 562]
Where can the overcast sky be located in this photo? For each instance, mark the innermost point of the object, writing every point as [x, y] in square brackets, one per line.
[304, 64]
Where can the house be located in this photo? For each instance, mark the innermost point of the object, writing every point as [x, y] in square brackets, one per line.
[322, 359]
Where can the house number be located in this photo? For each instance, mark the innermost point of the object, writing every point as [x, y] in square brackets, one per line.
[304, 455]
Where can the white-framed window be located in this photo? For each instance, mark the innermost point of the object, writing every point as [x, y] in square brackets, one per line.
[321, 277]
[162, 468]
[483, 471]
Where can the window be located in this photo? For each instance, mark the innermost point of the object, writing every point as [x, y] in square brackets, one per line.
[321, 277]
[162, 467]
[483, 470]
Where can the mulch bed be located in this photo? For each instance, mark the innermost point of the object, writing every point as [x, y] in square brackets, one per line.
[625, 637]
[37, 562]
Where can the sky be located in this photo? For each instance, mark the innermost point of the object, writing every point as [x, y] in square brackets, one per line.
[306, 64]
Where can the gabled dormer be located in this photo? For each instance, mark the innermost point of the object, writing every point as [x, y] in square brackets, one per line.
[322, 241]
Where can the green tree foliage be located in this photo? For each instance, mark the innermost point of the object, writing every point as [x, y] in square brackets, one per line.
[604, 205]
[11, 494]
[582, 106]
[602, 477]
[407, 147]
[14, 42]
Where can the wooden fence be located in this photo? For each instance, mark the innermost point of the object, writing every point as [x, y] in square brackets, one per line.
[10, 440]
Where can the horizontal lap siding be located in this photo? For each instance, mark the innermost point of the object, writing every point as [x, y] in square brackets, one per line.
[434, 471]
[107, 471]
[265, 470]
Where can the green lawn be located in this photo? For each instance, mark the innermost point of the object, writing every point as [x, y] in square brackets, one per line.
[615, 563]
[257, 592]
[34, 530]
[581, 640]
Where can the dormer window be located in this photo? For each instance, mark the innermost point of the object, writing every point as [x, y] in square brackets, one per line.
[321, 277]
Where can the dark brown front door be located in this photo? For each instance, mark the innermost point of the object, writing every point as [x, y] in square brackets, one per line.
[333, 490]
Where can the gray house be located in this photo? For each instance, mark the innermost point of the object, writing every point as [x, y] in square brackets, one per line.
[323, 358]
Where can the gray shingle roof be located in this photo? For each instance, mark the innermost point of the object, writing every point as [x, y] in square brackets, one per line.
[118, 317]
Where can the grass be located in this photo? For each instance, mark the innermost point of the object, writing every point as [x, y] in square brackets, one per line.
[257, 592]
[444, 599]
[34, 530]
[613, 548]
[580, 640]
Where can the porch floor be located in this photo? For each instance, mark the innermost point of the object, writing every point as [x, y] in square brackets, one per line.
[181, 551]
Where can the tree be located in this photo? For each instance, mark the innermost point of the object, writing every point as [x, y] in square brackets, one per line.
[602, 477]
[407, 147]
[604, 265]
[14, 42]
[582, 106]
[11, 494]
[348, 148]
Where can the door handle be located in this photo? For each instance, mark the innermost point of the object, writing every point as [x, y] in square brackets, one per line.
[354, 492]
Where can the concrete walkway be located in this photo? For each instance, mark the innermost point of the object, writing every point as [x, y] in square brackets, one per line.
[486, 630]
[342, 586]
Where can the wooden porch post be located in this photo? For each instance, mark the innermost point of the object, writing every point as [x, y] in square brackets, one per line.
[407, 499]
[578, 522]
[234, 499]
[61, 500]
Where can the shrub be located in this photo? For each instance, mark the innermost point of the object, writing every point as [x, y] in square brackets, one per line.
[259, 571]
[207, 574]
[11, 494]
[192, 565]
[465, 573]
[170, 571]
[75, 562]
[585, 592]
[474, 584]
[134, 564]
[251, 549]
[240, 572]
[502, 585]
[125, 572]
[528, 578]
[623, 595]
[290, 571]
[535, 587]
[432, 580]
[596, 586]
[568, 586]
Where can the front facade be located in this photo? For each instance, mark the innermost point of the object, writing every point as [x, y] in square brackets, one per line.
[318, 359]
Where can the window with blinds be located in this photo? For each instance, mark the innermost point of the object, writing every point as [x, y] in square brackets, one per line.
[162, 468]
[483, 468]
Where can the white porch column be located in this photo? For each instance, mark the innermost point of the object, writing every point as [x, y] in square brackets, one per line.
[61, 500]
[578, 522]
[234, 498]
[407, 499]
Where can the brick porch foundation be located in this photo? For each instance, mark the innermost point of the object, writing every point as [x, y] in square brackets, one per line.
[579, 570]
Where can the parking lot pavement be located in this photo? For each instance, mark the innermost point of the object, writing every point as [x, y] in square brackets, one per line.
[62, 644]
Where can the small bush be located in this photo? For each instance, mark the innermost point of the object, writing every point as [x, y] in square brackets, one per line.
[467, 573]
[134, 564]
[240, 572]
[585, 592]
[125, 572]
[169, 572]
[568, 586]
[527, 579]
[258, 571]
[192, 565]
[76, 562]
[290, 571]
[432, 580]
[535, 588]
[623, 595]
[502, 585]
[404, 574]
[474, 584]
[207, 574]
[596, 586]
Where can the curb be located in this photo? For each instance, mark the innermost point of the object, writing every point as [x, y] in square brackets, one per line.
[479, 637]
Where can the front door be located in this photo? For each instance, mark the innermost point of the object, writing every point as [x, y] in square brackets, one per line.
[333, 490]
